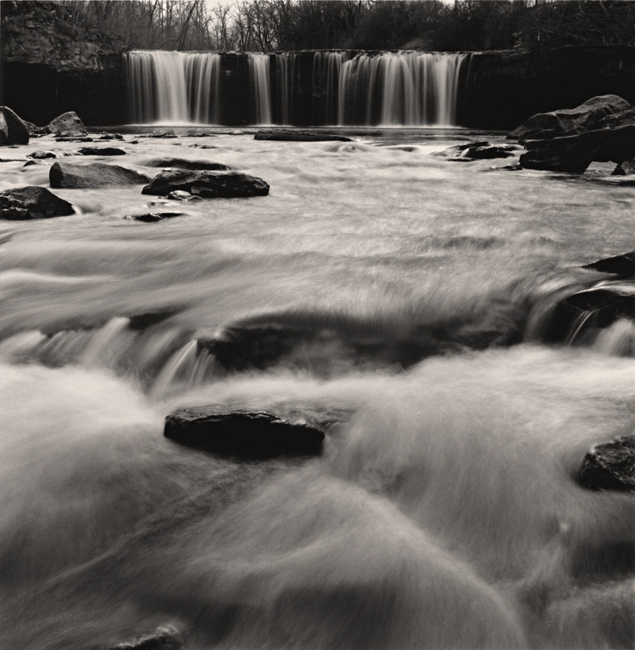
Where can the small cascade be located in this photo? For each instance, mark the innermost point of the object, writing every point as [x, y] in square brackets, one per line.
[173, 87]
[260, 88]
[400, 89]
[187, 367]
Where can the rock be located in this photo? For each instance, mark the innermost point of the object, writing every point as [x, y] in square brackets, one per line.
[592, 114]
[244, 435]
[140, 322]
[620, 265]
[574, 153]
[111, 136]
[13, 129]
[152, 217]
[626, 168]
[165, 638]
[610, 466]
[289, 135]
[101, 151]
[67, 125]
[71, 176]
[476, 151]
[207, 184]
[34, 130]
[85, 138]
[41, 155]
[182, 163]
[181, 195]
[166, 133]
[32, 202]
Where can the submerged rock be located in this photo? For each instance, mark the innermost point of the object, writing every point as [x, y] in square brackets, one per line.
[574, 153]
[596, 113]
[32, 202]
[163, 133]
[207, 184]
[152, 217]
[620, 265]
[166, 638]
[182, 195]
[67, 125]
[244, 435]
[13, 129]
[610, 466]
[101, 151]
[41, 155]
[72, 176]
[182, 163]
[289, 135]
[476, 151]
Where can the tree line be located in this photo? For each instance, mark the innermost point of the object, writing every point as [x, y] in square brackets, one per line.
[289, 25]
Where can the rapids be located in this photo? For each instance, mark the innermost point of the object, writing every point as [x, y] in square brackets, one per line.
[402, 288]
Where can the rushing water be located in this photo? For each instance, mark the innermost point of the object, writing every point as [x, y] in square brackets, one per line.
[399, 287]
[384, 88]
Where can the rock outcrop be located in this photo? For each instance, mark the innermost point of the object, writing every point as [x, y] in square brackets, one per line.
[596, 113]
[32, 202]
[574, 153]
[244, 435]
[207, 184]
[72, 176]
[610, 466]
[13, 130]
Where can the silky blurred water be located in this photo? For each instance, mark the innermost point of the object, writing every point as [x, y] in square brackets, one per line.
[444, 512]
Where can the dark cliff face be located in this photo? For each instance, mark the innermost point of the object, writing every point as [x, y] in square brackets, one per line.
[52, 64]
[505, 88]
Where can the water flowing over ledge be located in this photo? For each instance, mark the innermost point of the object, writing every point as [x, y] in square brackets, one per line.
[347, 88]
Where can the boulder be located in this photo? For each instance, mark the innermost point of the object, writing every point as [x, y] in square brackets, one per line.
[290, 135]
[244, 435]
[574, 153]
[626, 168]
[207, 184]
[152, 217]
[32, 202]
[35, 130]
[13, 130]
[71, 176]
[595, 113]
[477, 151]
[621, 265]
[101, 151]
[182, 163]
[67, 125]
[41, 155]
[610, 466]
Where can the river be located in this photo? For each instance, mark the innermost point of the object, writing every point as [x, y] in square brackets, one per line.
[404, 289]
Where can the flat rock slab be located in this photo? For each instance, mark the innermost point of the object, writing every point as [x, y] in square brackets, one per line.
[299, 136]
[182, 163]
[72, 176]
[610, 466]
[13, 129]
[207, 184]
[244, 435]
[32, 202]
[101, 151]
[152, 217]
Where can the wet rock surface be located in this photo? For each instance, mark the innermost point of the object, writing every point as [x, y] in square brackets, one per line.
[32, 202]
[620, 265]
[245, 435]
[610, 466]
[182, 163]
[72, 176]
[41, 155]
[13, 130]
[153, 217]
[476, 151]
[299, 136]
[207, 184]
[101, 151]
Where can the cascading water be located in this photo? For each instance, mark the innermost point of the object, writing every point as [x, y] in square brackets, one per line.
[400, 89]
[174, 87]
[392, 88]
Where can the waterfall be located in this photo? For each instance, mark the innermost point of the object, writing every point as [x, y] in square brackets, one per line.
[174, 86]
[296, 88]
[260, 88]
[400, 89]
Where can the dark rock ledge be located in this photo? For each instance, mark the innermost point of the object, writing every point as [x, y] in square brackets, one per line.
[250, 435]
[610, 466]
[288, 135]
